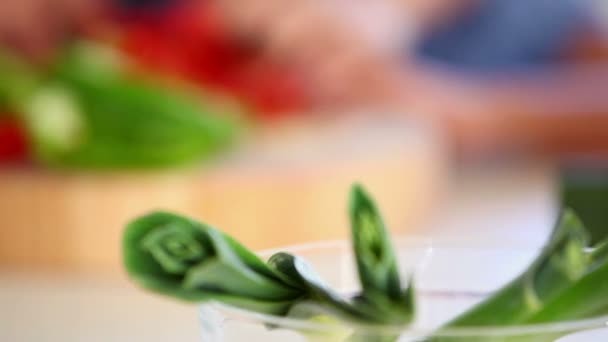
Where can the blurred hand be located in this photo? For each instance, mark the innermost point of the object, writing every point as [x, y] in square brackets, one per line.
[349, 51]
[341, 47]
[35, 26]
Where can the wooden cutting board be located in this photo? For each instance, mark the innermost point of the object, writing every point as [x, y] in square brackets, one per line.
[288, 185]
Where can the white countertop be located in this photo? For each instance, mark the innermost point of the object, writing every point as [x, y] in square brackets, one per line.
[505, 205]
[88, 308]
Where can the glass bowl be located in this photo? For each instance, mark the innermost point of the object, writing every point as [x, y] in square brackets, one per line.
[449, 278]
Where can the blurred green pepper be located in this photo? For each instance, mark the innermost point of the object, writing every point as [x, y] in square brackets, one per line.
[87, 112]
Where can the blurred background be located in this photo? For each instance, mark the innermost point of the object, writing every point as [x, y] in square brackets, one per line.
[471, 121]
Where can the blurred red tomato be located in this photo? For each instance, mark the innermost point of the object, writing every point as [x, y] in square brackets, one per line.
[272, 88]
[191, 41]
[13, 140]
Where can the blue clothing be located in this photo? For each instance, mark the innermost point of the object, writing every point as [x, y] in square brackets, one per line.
[502, 34]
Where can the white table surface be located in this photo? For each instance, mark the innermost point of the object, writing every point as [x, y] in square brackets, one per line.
[495, 206]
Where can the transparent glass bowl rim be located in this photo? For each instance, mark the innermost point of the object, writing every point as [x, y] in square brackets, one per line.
[484, 331]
